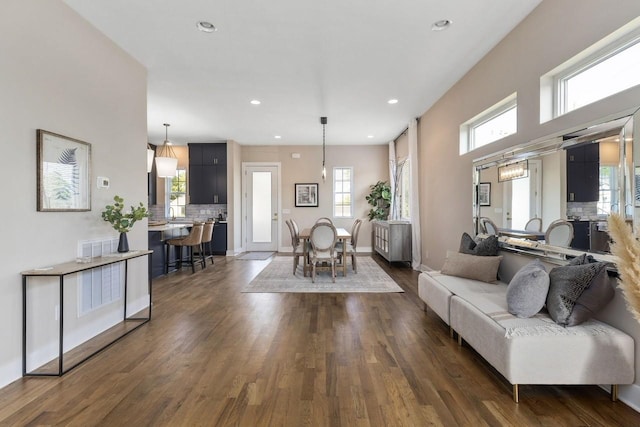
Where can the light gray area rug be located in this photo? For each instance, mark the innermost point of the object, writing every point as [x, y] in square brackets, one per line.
[255, 256]
[277, 276]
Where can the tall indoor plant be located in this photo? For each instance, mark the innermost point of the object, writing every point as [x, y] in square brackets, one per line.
[123, 221]
[380, 199]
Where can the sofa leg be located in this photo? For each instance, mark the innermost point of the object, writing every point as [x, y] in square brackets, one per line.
[614, 392]
[516, 393]
[450, 332]
[459, 340]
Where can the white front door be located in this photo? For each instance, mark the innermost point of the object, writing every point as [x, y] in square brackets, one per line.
[261, 214]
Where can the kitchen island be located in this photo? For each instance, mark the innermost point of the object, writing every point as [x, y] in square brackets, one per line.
[158, 234]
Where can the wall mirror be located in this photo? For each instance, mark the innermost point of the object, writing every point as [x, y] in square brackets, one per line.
[577, 177]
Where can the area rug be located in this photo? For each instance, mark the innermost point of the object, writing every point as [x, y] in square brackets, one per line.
[278, 276]
[261, 256]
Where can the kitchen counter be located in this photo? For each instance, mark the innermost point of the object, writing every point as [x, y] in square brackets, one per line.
[170, 226]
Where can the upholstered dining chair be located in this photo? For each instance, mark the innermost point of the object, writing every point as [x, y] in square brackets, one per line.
[534, 224]
[323, 238]
[488, 226]
[559, 233]
[351, 245]
[324, 219]
[191, 241]
[295, 243]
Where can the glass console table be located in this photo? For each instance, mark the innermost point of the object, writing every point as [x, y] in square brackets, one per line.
[73, 267]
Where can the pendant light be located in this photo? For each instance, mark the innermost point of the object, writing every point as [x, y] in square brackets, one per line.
[150, 155]
[323, 121]
[166, 160]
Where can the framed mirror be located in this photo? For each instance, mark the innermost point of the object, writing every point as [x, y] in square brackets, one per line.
[555, 194]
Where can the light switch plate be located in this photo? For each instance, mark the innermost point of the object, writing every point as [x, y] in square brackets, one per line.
[103, 182]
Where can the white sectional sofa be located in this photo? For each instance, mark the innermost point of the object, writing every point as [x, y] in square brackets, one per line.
[533, 350]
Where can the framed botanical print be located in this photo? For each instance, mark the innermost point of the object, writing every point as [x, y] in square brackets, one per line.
[64, 172]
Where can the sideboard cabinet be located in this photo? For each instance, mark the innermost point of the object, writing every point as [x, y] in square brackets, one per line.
[392, 240]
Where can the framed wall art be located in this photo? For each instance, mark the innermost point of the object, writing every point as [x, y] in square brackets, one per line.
[306, 195]
[484, 194]
[64, 171]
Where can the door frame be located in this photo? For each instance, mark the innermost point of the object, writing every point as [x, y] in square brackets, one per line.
[244, 213]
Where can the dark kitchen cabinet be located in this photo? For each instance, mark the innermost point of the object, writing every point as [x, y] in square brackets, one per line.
[219, 243]
[208, 173]
[580, 235]
[583, 173]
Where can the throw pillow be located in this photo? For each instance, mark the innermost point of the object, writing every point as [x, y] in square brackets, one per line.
[483, 268]
[583, 288]
[527, 291]
[483, 247]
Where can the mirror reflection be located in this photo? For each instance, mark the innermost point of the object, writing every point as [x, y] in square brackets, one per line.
[561, 190]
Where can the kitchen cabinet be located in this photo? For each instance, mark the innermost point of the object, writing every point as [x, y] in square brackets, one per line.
[219, 243]
[392, 239]
[580, 235]
[583, 173]
[208, 173]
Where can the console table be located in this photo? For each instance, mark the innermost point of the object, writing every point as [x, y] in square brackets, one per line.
[61, 271]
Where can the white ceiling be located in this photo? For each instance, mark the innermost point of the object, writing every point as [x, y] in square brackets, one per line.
[302, 59]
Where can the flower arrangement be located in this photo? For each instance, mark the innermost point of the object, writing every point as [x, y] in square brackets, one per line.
[626, 248]
[123, 222]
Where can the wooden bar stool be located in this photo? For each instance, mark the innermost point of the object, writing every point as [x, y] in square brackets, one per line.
[193, 239]
[207, 238]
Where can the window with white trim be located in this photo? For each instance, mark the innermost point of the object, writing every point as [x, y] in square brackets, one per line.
[605, 73]
[176, 195]
[343, 192]
[404, 190]
[497, 122]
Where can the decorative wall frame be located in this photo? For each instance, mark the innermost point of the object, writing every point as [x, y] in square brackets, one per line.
[484, 194]
[306, 195]
[64, 171]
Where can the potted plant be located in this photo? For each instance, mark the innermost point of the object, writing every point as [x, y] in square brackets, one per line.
[121, 221]
[380, 199]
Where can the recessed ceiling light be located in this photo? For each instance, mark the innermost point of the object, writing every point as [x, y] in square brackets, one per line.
[369, 136]
[392, 101]
[206, 27]
[277, 137]
[440, 25]
[255, 102]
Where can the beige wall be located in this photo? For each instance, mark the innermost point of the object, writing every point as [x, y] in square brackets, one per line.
[370, 165]
[551, 34]
[62, 75]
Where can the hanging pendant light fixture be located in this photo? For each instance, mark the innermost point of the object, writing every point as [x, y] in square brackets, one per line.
[166, 160]
[150, 155]
[323, 121]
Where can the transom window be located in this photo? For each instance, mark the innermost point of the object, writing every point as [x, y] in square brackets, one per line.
[176, 195]
[610, 72]
[343, 192]
[491, 125]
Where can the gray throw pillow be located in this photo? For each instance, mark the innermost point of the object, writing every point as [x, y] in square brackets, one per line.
[527, 291]
[569, 283]
[483, 268]
[480, 247]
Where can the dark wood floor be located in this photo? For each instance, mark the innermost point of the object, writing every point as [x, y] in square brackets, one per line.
[214, 356]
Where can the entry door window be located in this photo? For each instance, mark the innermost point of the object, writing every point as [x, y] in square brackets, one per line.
[261, 207]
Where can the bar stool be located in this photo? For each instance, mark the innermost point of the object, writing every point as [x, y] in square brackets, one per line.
[193, 239]
[207, 237]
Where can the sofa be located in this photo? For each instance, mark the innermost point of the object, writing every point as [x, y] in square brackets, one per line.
[534, 350]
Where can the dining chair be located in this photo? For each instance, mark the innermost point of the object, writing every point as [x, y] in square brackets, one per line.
[324, 219]
[559, 233]
[295, 243]
[323, 238]
[191, 241]
[488, 226]
[351, 245]
[534, 224]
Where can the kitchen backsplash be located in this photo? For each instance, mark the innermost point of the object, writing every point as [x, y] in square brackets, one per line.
[582, 209]
[195, 212]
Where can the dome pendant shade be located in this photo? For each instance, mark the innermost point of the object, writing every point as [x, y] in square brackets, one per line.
[166, 160]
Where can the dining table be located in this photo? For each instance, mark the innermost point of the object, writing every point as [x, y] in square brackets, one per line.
[342, 234]
[521, 234]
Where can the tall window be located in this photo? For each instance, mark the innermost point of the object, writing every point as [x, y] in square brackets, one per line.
[493, 124]
[607, 72]
[404, 190]
[176, 195]
[343, 192]
[608, 189]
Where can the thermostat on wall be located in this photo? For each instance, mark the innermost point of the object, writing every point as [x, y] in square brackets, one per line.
[103, 182]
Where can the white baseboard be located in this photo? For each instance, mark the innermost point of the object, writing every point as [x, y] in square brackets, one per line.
[628, 394]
